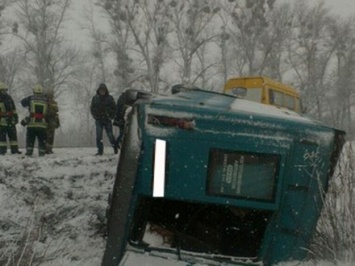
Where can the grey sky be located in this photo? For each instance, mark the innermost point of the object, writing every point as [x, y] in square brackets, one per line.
[341, 7]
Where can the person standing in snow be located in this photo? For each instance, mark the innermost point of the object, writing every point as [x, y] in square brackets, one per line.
[36, 121]
[120, 120]
[124, 102]
[53, 121]
[103, 109]
[8, 121]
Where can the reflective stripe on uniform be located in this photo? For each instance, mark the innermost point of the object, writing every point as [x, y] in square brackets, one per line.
[37, 125]
[38, 111]
[3, 144]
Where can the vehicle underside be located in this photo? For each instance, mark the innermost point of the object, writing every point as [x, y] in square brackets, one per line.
[204, 228]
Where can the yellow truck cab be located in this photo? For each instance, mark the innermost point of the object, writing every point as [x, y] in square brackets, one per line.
[264, 90]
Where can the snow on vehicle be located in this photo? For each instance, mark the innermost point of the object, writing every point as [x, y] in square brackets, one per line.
[221, 180]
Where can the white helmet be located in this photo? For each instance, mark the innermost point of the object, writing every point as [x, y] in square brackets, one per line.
[38, 89]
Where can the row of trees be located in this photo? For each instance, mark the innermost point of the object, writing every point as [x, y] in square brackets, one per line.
[154, 44]
[204, 42]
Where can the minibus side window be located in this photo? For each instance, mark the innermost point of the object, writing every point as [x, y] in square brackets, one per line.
[299, 107]
[276, 98]
[290, 102]
[254, 94]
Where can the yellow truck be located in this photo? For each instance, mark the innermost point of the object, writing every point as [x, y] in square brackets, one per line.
[264, 90]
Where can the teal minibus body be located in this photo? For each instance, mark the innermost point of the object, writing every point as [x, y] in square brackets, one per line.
[220, 180]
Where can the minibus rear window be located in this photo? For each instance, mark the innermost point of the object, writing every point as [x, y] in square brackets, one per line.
[242, 175]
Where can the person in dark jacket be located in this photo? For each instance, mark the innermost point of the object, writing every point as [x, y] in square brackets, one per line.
[36, 121]
[8, 121]
[120, 120]
[103, 109]
[126, 100]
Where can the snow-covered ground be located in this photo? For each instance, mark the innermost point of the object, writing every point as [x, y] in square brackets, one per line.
[53, 209]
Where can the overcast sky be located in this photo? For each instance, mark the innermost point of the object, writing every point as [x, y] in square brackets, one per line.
[341, 7]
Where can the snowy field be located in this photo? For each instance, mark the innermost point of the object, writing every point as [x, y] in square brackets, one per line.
[53, 210]
[53, 207]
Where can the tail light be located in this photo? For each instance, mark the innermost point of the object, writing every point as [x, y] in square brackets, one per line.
[183, 123]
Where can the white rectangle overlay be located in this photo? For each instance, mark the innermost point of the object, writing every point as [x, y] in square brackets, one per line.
[159, 168]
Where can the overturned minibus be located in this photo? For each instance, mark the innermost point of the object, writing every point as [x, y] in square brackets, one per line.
[206, 178]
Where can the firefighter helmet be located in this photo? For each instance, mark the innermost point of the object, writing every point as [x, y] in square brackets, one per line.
[38, 89]
[3, 87]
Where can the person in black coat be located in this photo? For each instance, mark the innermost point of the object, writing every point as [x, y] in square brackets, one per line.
[126, 100]
[120, 120]
[8, 121]
[103, 110]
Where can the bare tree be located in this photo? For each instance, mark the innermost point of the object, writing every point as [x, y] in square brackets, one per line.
[204, 67]
[10, 66]
[341, 82]
[191, 21]
[10, 70]
[98, 40]
[5, 24]
[81, 129]
[9, 61]
[310, 53]
[48, 60]
[223, 43]
[156, 43]
[278, 29]
[249, 24]
[257, 31]
[140, 29]
[119, 42]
